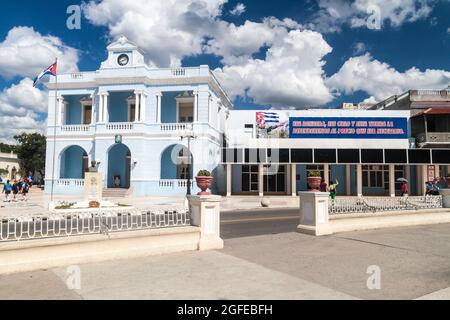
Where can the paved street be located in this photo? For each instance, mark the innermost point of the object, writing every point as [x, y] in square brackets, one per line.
[264, 259]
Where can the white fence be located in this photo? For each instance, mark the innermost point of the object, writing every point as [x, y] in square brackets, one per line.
[174, 183]
[347, 205]
[60, 225]
[70, 182]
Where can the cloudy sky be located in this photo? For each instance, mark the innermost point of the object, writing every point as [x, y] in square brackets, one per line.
[266, 53]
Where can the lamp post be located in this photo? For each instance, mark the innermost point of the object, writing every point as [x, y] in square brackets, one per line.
[189, 134]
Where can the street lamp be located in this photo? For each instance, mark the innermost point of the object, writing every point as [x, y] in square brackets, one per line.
[189, 134]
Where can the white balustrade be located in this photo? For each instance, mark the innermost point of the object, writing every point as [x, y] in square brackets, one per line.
[175, 183]
[114, 126]
[75, 128]
[174, 127]
[179, 72]
[70, 182]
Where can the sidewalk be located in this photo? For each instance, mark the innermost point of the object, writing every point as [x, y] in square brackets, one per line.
[38, 203]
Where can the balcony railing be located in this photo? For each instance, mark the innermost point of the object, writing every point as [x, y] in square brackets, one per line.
[175, 127]
[75, 128]
[120, 126]
[433, 137]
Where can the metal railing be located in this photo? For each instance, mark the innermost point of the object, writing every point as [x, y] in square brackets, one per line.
[61, 225]
[348, 205]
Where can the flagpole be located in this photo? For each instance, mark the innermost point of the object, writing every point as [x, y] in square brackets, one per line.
[54, 132]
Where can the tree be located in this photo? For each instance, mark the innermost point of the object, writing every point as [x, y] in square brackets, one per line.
[30, 151]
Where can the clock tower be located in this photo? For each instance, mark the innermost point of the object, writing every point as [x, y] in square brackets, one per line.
[123, 54]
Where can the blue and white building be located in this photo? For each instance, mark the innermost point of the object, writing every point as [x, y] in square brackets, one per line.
[131, 118]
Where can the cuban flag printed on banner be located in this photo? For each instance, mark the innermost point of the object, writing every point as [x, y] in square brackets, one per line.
[49, 71]
[267, 119]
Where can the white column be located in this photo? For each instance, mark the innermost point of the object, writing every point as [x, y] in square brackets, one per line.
[137, 116]
[437, 172]
[229, 175]
[105, 105]
[326, 173]
[158, 107]
[348, 180]
[196, 106]
[392, 180]
[209, 109]
[261, 180]
[60, 111]
[359, 180]
[100, 108]
[294, 180]
[143, 107]
[93, 109]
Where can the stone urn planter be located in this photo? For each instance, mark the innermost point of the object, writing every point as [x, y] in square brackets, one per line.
[204, 182]
[314, 180]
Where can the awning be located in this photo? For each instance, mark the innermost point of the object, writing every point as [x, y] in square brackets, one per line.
[433, 111]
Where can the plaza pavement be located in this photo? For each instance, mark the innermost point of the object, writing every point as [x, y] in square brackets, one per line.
[38, 203]
[414, 264]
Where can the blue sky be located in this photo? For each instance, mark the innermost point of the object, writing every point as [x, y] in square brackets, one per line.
[322, 56]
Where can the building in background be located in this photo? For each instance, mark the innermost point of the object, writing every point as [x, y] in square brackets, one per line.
[9, 166]
[131, 118]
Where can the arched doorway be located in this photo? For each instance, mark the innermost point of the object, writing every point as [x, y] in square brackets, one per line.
[119, 167]
[74, 162]
[176, 163]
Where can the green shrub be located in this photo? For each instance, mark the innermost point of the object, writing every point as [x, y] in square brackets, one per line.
[204, 173]
[314, 173]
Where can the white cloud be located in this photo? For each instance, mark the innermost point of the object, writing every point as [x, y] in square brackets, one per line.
[168, 30]
[25, 52]
[238, 9]
[22, 109]
[335, 13]
[290, 75]
[380, 80]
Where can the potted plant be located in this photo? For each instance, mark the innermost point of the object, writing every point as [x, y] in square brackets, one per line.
[204, 181]
[314, 179]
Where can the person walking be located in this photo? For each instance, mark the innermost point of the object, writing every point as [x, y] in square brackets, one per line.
[404, 188]
[25, 190]
[7, 190]
[15, 190]
[333, 189]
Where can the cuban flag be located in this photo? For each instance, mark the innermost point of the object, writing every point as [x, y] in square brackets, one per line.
[267, 119]
[49, 71]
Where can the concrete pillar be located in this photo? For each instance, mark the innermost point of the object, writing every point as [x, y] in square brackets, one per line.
[195, 106]
[105, 111]
[261, 180]
[422, 177]
[359, 180]
[326, 173]
[392, 180]
[294, 180]
[59, 111]
[93, 109]
[229, 181]
[158, 107]
[437, 172]
[143, 107]
[314, 217]
[137, 116]
[100, 108]
[348, 180]
[205, 214]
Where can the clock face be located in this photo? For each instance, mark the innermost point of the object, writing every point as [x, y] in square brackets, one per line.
[123, 60]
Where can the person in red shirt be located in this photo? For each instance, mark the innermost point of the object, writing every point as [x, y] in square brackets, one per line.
[404, 188]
